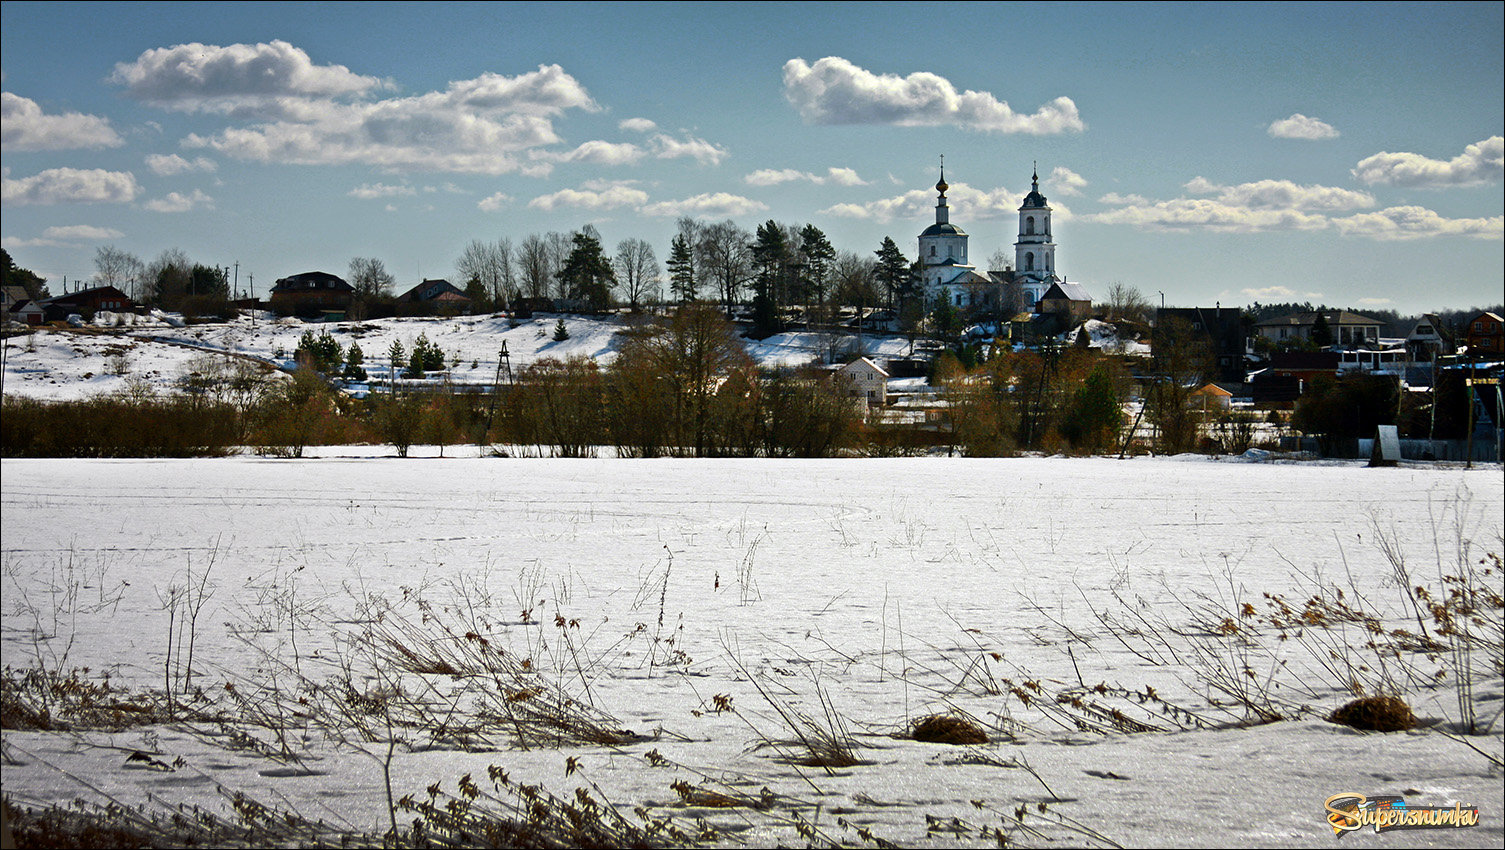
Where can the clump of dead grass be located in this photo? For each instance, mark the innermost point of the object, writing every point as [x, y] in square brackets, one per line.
[947, 729]
[1375, 714]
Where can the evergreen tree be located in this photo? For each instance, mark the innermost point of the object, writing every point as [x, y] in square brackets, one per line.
[561, 333]
[816, 256]
[681, 266]
[1322, 332]
[587, 273]
[893, 271]
[353, 360]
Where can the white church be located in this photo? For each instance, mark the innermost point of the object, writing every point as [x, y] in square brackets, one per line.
[946, 273]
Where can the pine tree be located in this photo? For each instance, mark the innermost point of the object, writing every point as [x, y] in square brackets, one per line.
[816, 255]
[561, 333]
[681, 266]
[353, 360]
[587, 274]
[893, 271]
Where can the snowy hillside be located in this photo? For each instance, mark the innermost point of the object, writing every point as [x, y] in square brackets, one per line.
[54, 364]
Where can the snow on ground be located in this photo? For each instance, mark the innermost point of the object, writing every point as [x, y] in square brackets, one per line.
[55, 364]
[896, 588]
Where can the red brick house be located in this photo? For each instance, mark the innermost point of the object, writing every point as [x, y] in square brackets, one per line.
[87, 302]
[1486, 335]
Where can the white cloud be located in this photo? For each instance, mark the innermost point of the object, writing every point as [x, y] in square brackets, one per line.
[72, 186]
[596, 153]
[1282, 194]
[1066, 181]
[700, 150]
[615, 196]
[474, 126]
[1480, 162]
[1299, 126]
[834, 176]
[708, 205]
[966, 203]
[1208, 214]
[25, 127]
[372, 191]
[257, 79]
[82, 232]
[1278, 293]
[177, 202]
[1411, 222]
[166, 166]
[494, 202]
[835, 91]
[637, 125]
[1116, 199]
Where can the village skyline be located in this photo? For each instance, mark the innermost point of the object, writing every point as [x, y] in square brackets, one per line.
[1226, 155]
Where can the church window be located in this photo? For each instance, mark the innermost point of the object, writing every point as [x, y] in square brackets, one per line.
[932, 250]
[1029, 226]
[1029, 262]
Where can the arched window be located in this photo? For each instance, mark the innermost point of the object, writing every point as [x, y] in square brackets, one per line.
[932, 250]
[1029, 262]
[1029, 226]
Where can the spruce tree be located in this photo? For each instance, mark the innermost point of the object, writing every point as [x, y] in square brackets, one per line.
[681, 266]
[587, 273]
[893, 271]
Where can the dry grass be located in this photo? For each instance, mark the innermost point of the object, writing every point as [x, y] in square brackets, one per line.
[947, 729]
[1375, 714]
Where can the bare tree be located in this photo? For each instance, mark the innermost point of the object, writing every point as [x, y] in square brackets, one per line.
[534, 271]
[638, 271]
[1127, 302]
[120, 269]
[370, 278]
[726, 257]
[489, 264]
[558, 246]
[853, 280]
[167, 277]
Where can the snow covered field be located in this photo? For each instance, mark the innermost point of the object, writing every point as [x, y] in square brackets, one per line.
[704, 603]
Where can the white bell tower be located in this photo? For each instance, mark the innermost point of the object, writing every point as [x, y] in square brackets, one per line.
[1034, 253]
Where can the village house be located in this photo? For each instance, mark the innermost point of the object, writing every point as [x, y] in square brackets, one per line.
[86, 303]
[1485, 335]
[440, 294]
[311, 294]
[866, 380]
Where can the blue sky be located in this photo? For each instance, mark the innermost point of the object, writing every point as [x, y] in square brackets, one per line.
[1344, 154]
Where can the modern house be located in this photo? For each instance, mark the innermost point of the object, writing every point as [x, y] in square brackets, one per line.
[1346, 329]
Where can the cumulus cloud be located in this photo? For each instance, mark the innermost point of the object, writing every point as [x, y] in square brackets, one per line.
[1411, 222]
[257, 79]
[1066, 181]
[836, 91]
[1299, 126]
[637, 125]
[82, 233]
[708, 205]
[484, 125]
[834, 176]
[25, 127]
[700, 150]
[1115, 199]
[1480, 162]
[967, 204]
[71, 186]
[1282, 194]
[171, 164]
[494, 202]
[604, 199]
[177, 202]
[372, 191]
